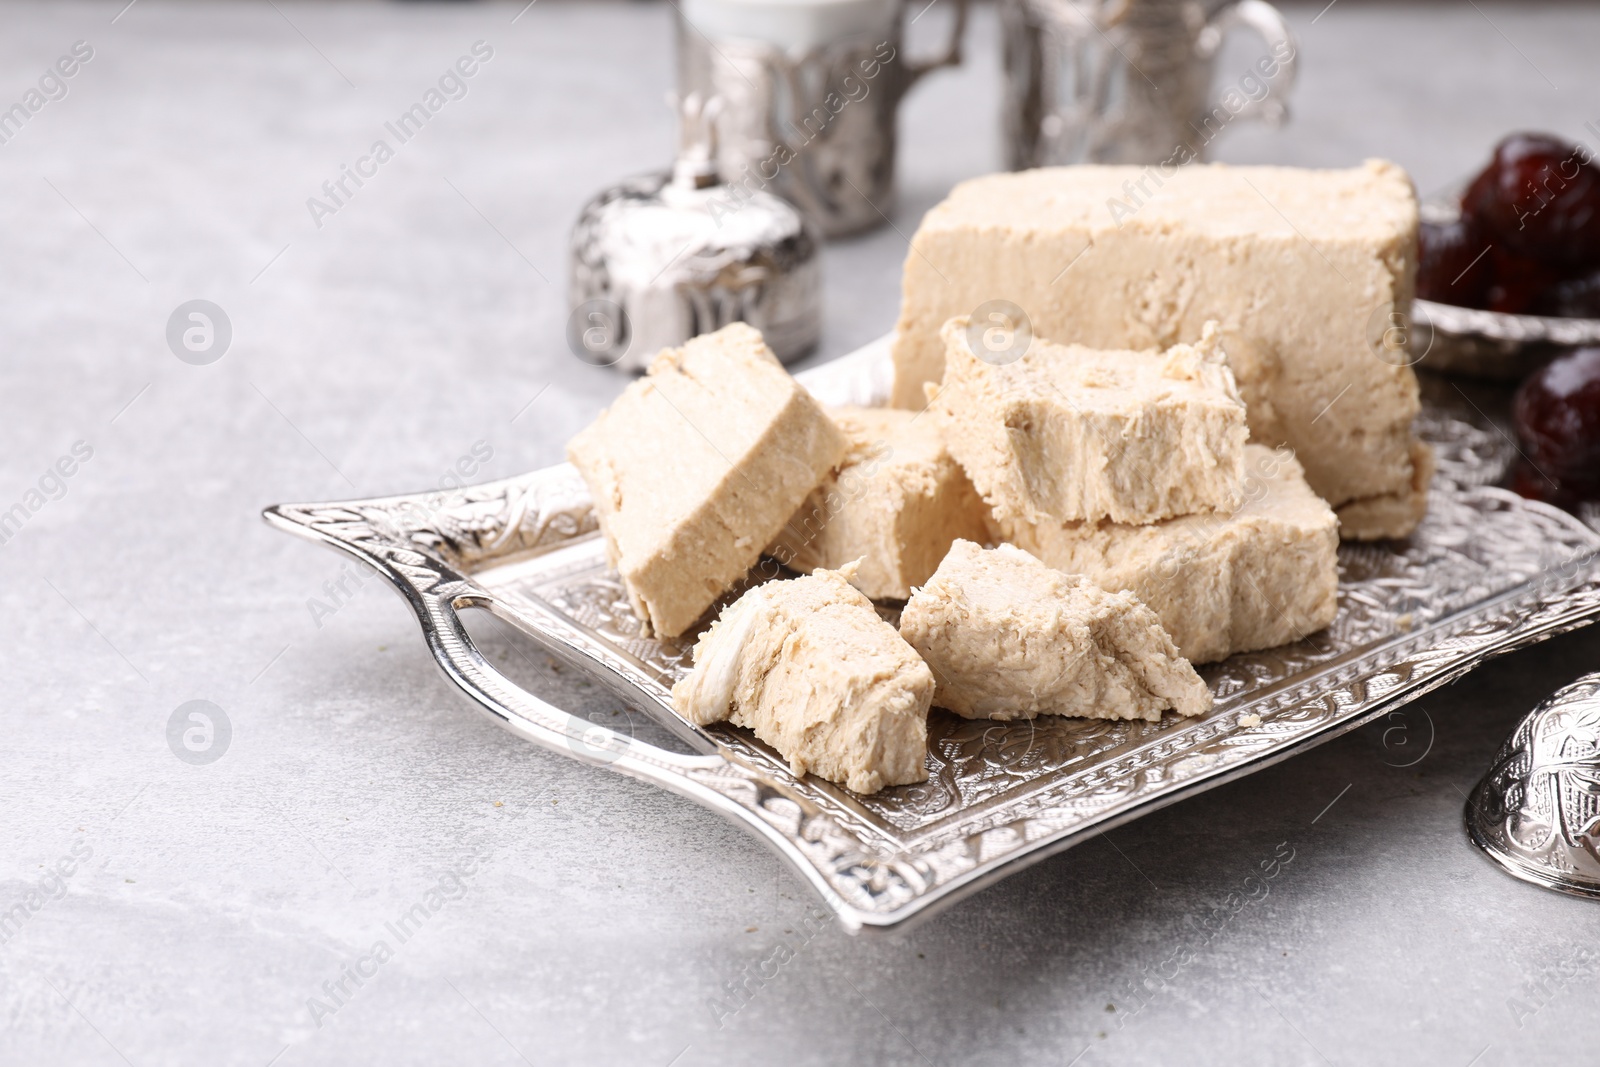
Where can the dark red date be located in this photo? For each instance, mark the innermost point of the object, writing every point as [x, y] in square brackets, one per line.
[1453, 264]
[1557, 413]
[1536, 207]
[1540, 197]
[1517, 284]
[1573, 298]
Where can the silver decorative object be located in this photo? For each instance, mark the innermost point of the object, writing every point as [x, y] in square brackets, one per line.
[1537, 811]
[664, 257]
[1130, 81]
[813, 122]
[1494, 344]
[1485, 573]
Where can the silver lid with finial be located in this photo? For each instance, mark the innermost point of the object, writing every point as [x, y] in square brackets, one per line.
[663, 257]
[1537, 811]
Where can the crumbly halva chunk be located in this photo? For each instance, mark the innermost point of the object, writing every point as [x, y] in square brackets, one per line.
[1009, 638]
[697, 466]
[812, 669]
[1304, 270]
[1068, 433]
[895, 504]
[1263, 576]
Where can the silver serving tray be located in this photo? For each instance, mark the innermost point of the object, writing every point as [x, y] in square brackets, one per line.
[1486, 572]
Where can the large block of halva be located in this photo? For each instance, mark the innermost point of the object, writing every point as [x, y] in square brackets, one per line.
[1302, 268]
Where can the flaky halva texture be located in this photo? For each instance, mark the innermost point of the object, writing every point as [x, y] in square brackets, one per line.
[697, 466]
[1009, 638]
[894, 504]
[810, 667]
[1067, 433]
[1302, 269]
[1264, 576]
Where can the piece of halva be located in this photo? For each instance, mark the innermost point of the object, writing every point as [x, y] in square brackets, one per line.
[1393, 514]
[1305, 270]
[1009, 638]
[1263, 576]
[895, 503]
[812, 669]
[1067, 433]
[696, 467]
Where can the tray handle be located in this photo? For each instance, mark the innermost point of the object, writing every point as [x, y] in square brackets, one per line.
[838, 866]
[814, 847]
[435, 591]
[530, 717]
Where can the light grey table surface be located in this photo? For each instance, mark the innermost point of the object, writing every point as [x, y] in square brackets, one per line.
[601, 921]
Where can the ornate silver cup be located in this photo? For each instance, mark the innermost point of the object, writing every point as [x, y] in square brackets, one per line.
[1130, 81]
[809, 102]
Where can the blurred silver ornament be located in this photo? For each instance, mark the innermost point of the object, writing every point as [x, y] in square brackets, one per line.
[663, 257]
[1134, 81]
[811, 95]
[1537, 811]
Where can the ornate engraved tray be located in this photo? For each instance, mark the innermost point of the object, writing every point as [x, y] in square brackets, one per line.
[1487, 572]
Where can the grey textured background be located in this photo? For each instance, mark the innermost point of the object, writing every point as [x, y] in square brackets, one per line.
[602, 917]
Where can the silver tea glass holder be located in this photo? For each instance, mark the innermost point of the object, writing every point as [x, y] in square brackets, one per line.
[810, 97]
[1131, 81]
